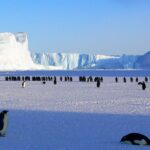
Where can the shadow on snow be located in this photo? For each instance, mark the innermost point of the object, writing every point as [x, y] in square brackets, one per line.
[70, 131]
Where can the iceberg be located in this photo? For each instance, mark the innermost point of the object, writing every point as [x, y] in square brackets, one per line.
[15, 55]
[71, 61]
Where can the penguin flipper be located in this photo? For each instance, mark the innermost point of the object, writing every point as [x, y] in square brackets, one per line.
[1, 121]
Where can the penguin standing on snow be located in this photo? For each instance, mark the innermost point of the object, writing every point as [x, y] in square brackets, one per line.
[3, 122]
[23, 84]
[137, 80]
[135, 139]
[124, 79]
[98, 83]
[116, 79]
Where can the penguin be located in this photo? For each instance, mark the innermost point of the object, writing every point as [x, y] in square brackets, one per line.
[6, 78]
[27, 78]
[90, 79]
[146, 79]
[98, 83]
[3, 122]
[116, 79]
[55, 80]
[84, 79]
[124, 79]
[137, 80]
[71, 79]
[96, 78]
[23, 84]
[44, 82]
[66, 79]
[131, 79]
[61, 78]
[135, 139]
[143, 85]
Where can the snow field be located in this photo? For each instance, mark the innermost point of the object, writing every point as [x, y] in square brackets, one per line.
[74, 115]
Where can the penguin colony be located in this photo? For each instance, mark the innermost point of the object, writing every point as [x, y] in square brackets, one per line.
[54, 79]
[43, 79]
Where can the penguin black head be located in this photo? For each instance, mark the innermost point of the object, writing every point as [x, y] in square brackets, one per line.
[4, 111]
[123, 139]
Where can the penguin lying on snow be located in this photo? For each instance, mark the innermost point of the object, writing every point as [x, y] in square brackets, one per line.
[135, 139]
[3, 122]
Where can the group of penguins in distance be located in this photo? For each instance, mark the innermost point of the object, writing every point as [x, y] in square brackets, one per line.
[97, 80]
[131, 138]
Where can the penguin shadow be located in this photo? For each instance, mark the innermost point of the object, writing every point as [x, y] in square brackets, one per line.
[69, 130]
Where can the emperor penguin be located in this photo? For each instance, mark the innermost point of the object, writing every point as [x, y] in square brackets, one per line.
[116, 79]
[135, 139]
[3, 122]
[98, 83]
[23, 84]
[143, 85]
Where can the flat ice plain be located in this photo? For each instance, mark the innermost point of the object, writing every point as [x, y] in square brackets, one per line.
[74, 115]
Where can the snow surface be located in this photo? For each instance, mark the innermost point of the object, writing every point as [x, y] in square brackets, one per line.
[74, 115]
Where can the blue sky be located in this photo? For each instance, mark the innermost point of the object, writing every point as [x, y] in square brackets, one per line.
[85, 26]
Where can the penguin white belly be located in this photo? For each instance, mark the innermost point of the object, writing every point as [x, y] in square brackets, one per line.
[141, 142]
[24, 85]
[3, 131]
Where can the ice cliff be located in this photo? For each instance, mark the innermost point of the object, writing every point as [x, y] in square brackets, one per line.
[86, 61]
[14, 53]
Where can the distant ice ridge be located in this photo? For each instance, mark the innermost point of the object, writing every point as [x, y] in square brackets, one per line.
[14, 53]
[86, 61]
